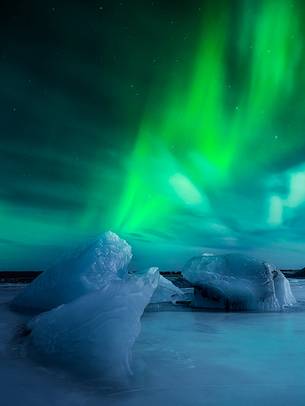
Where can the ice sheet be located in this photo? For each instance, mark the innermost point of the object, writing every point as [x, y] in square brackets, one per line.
[180, 358]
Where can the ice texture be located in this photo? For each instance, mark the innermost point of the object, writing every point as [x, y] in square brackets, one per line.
[89, 269]
[166, 292]
[95, 333]
[237, 282]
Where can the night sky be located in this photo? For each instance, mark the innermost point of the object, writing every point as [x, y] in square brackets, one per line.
[178, 125]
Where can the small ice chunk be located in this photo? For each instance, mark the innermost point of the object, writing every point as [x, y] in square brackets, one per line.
[166, 292]
[89, 269]
[94, 334]
[237, 282]
[282, 288]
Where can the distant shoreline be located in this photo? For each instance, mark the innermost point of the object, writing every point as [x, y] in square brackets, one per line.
[29, 276]
[18, 276]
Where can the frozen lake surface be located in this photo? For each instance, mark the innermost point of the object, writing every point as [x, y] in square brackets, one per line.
[181, 357]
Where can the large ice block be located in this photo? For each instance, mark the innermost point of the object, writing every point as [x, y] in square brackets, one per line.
[94, 334]
[89, 269]
[237, 282]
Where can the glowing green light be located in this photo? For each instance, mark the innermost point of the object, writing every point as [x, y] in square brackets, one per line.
[185, 189]
[275, 211]
[210, 125]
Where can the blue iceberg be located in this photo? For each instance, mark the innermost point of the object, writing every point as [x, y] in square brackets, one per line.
[94, 334]
[237, 282]
[91, 268]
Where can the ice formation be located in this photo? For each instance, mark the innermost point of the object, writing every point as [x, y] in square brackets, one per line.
[89, 269]
[237, 282]
[92, 309]
[166, 292]
[95, 333]
[282, 289]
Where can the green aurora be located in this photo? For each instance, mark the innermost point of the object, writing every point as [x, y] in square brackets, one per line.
[203, 151]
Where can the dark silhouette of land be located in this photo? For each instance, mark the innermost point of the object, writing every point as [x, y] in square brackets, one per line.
[18, 276]
[29, 276]
[294, 273]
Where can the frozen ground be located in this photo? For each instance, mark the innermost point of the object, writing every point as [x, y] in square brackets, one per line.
[181, 357]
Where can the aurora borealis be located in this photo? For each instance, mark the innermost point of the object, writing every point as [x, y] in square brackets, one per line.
[179, 125]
